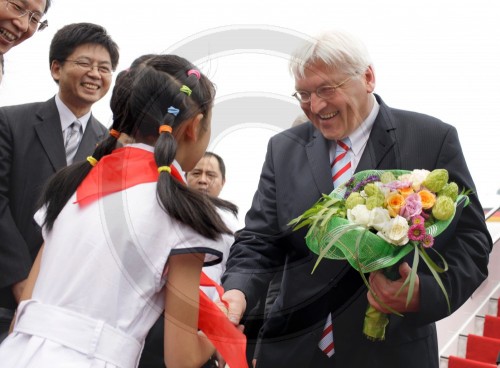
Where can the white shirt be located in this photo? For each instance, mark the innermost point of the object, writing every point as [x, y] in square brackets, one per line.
[67, 117]
[359, 138]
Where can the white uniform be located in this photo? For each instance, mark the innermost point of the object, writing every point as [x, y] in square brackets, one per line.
[100, 287]
[215, 272]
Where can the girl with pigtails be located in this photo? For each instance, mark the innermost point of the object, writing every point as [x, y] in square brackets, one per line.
[125, 238]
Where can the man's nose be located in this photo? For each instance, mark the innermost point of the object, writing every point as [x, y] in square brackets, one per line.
[317, 103]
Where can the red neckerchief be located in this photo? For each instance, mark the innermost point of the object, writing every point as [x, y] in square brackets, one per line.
[124, 168]
[130, 166]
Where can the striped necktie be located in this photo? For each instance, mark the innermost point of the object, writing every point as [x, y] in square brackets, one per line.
[341, 172]
[72, 140]
[341, 165]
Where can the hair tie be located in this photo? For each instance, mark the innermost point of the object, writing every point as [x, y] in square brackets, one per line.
[195, 72]
[164, 169]
[92, 160]
[186, 90]
[172, 110]
[114, 133]
[165, 129]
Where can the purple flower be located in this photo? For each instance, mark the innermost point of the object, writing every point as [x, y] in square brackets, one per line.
[397, 184]
[416, 232]
[358, 187]
[428, 241]
[412, 207]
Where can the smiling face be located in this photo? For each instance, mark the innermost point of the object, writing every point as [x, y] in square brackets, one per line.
[79, 87]
[15, 29]
[339, 115]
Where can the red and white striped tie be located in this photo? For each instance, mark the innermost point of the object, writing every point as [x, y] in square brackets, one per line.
[326, 342]
[341, 172]
[341, 165]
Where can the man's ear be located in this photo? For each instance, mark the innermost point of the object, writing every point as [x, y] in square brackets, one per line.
[193, 127]
[370, 79]
[55, 70]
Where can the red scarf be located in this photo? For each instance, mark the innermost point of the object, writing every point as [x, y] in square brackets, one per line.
[127, 167]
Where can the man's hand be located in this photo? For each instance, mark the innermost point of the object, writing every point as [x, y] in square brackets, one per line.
[17, 289]
[386, 291]
[237, 305]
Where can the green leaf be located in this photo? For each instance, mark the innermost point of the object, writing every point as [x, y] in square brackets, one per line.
[430, 262]
[436, 277]
[410, 280]
[336, 235]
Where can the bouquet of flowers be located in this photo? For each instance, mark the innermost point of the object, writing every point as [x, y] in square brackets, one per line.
[377, 218]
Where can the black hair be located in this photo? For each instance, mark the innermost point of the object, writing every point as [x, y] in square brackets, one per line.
[2, 64]
[47, 6]
[71, 36]
[220, 161]
[141, 96]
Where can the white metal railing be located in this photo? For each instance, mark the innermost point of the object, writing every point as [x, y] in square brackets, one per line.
[493, 293]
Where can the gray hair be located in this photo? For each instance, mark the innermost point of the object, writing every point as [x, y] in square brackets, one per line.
[337, 49]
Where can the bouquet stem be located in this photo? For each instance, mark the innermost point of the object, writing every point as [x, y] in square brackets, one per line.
[375, 321]
[375, 324]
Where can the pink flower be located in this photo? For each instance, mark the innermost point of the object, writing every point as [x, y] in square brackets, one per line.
[412, 207]
[416, 232]
[428, 241]
[396, 184]
[416, 220]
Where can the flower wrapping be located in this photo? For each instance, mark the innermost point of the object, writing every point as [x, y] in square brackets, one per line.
[379, 217]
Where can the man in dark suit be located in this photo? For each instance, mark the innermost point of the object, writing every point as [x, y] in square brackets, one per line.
[335, 80]
[34, 144]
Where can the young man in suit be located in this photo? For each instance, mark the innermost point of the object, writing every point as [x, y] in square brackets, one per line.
[37, 139]
[19, 20]
[335, 83]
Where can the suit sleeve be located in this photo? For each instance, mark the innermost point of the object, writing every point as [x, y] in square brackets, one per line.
[256, 252]
[15, 259]
[466, 250]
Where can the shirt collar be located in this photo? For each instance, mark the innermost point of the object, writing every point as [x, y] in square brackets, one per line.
[360, 136]
[67, 117]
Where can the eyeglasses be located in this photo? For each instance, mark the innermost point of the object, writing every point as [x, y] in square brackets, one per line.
[324, 92]
[34, 18]
[85, 65]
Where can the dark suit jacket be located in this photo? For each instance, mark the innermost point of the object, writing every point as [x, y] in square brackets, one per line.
[295, 173]
[31, 150]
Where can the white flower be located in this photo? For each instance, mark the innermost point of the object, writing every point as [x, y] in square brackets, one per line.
[379, 218]
[383, 188]
[395, 231]
[417, 177]
[359, 215]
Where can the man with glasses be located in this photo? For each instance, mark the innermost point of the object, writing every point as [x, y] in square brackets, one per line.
[37, 139]
[335, 82]
[19, 20]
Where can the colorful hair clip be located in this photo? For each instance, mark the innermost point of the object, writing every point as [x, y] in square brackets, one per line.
[114, 133]
[164, 169]
[165, 129]
[92, 160]
[195, 72]
[172, 110]
[186, 90]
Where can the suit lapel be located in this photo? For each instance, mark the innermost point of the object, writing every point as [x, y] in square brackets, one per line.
[49, 131]
[89, 140]
[318, 155]
[380, 151]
